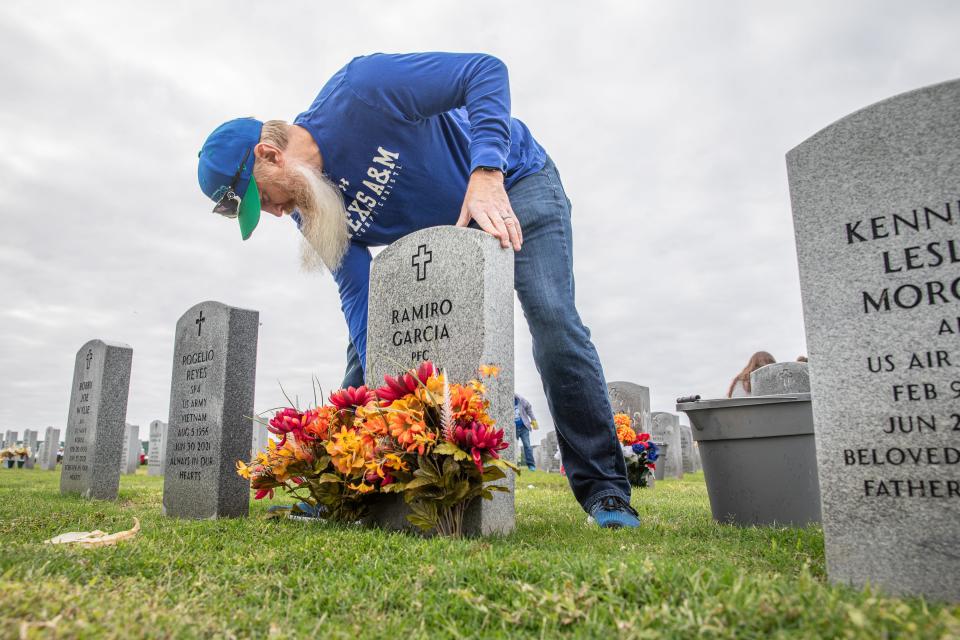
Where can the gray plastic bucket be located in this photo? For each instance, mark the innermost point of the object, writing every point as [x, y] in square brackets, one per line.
[759, 459]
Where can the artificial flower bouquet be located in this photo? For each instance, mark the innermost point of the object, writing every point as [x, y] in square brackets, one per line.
[639, 452]
[420, 436]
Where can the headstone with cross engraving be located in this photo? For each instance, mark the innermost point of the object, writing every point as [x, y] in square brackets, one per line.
[211, 412]
[95, 424]
[30, 442]
[445, 294]
[130, 458]
[51, 446]
[633, 400]
[666, 430]
[156, 454]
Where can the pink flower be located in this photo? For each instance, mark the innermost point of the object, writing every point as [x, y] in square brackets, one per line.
[284, 422]
[396, 388]
[478, 438]
[351, 397]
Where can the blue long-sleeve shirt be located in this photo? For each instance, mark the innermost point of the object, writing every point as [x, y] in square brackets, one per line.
[400, 135]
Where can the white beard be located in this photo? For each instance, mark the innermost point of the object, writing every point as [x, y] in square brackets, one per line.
[323, 220]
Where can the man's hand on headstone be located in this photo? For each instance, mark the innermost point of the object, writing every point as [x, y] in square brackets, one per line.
[486, 201]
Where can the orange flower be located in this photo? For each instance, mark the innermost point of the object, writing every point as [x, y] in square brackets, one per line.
[346, 451]
[489, 370]
[406, 423]
[317, 422]
[625, 433]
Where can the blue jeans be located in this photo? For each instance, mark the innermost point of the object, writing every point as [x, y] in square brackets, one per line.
[565, 357]
[523, 433]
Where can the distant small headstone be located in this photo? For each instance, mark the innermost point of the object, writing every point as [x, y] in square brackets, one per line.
[687, 458]
[30, 442]
[130, 456]
[51, 447]
[548, 453]
[95, 424]
[10, 439]
[156, 453]
[780, 378]
[261, 438]
[633, 400]
[876, 208]
[446, 294]
[211, 412]
[666, 429]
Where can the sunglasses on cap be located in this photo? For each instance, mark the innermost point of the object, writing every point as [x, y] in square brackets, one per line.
[229, 205]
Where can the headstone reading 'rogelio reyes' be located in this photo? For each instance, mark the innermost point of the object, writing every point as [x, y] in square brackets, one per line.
[876, 208]
[780, 378]
[30, 442]
[666, 430]
[446, 294]
[51, 446]
[633, 400]
[211, 412]
[95, 424]
[130, 450]
[156, 455]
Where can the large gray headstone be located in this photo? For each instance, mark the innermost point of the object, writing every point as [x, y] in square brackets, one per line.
[780, 378]
[876, 206]
[446, 294]
[30, 442]
[687, 457]
[51, 446]
[633, 400]
[156, 453]
[130, 456]
[211, 412]
[95, 424]
[10, 439]
[666, 430]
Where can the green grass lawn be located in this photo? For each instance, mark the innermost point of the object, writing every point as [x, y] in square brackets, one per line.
[680, 576]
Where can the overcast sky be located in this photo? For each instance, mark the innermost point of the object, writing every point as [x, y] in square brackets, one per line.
[668, 121]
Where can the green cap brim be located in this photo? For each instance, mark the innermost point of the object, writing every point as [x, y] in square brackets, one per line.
[249, 212]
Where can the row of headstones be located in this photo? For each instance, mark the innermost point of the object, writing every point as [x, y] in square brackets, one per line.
[679, 453]
[463, 284]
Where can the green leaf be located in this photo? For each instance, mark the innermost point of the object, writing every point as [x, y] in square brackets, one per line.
[420, 482]
[329, 477]
[447, 449]
[491, 474]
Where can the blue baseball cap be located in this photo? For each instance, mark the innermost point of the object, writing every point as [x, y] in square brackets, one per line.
[225, 172]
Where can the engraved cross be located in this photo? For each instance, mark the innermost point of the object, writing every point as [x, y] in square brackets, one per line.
[421, 260]
[89, 357]
[200, 322]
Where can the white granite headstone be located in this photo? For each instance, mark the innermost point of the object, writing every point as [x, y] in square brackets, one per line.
[876, 208]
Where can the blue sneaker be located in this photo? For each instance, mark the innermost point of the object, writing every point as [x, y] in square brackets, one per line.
[532, 468]
[614, 512]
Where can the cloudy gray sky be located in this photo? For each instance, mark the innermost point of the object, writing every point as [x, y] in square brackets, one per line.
[669, 123]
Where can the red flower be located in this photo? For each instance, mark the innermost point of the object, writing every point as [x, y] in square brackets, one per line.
[478, 438]
[641, 438]
[351, 397]
[263, 493]
[406, 384]
[284, 422]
